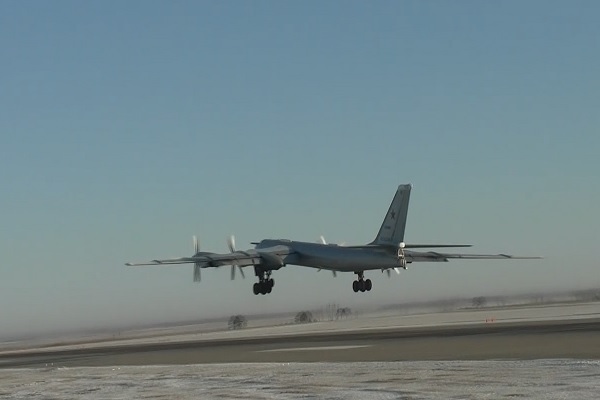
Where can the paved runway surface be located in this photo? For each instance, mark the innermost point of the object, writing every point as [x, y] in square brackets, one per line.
[575, 338]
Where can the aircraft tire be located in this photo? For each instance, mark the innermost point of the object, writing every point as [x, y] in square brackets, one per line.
[268, 288]
[256, 288]
[368, 285]
[272, 283]
[355, 286]
[361, 285]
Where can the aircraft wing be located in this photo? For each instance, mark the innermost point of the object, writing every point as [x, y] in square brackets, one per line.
[410, 246]
[431, 246]
[435, 256]
[209, 260]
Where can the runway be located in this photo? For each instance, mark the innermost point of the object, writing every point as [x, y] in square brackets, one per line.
[574, 338]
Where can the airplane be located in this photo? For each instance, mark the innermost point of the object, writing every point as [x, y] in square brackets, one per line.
[386, 252]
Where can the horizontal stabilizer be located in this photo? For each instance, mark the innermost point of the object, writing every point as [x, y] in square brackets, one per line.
[431, 246]
[486, 256]
[435, 256]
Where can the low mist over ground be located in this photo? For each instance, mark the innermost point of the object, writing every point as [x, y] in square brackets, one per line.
[325, 312]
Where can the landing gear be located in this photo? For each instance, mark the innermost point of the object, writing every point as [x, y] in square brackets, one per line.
[265, 283]
[361, 284]
[263, 287]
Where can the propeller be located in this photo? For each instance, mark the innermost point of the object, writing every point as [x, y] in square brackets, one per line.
[401, 260]
[197, 277]
[389, 272]
[231, 245]
[323, 241]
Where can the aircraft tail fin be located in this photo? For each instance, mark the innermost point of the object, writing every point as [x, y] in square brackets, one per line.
[391, 232]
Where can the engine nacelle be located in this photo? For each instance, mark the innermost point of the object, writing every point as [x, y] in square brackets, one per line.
[401, 257]
[271, 261]
[402, 262]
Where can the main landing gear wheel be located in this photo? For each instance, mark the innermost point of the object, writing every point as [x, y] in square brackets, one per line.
[361, 284]
[263, 287]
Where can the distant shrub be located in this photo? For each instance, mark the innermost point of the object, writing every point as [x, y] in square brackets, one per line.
[343, 312]
[587, 295]
[479, 301]
[304, 317]
[237, 322]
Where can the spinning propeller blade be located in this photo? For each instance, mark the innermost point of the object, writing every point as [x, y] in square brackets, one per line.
[196, 245]
[231, 245]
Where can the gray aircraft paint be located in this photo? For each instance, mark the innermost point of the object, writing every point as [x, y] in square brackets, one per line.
[386, 252]
[392, 229]
[338, 258]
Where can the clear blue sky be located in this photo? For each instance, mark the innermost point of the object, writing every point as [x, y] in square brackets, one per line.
[126, 127]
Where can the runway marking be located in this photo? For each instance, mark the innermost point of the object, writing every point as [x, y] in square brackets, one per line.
[315, 348]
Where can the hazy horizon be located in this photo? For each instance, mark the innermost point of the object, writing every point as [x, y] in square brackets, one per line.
[129, 127]
[426, 305]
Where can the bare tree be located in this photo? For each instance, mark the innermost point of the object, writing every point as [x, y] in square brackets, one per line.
[343, 312]
[330, 311]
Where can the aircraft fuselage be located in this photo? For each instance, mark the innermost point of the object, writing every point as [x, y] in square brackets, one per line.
[333, 257]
